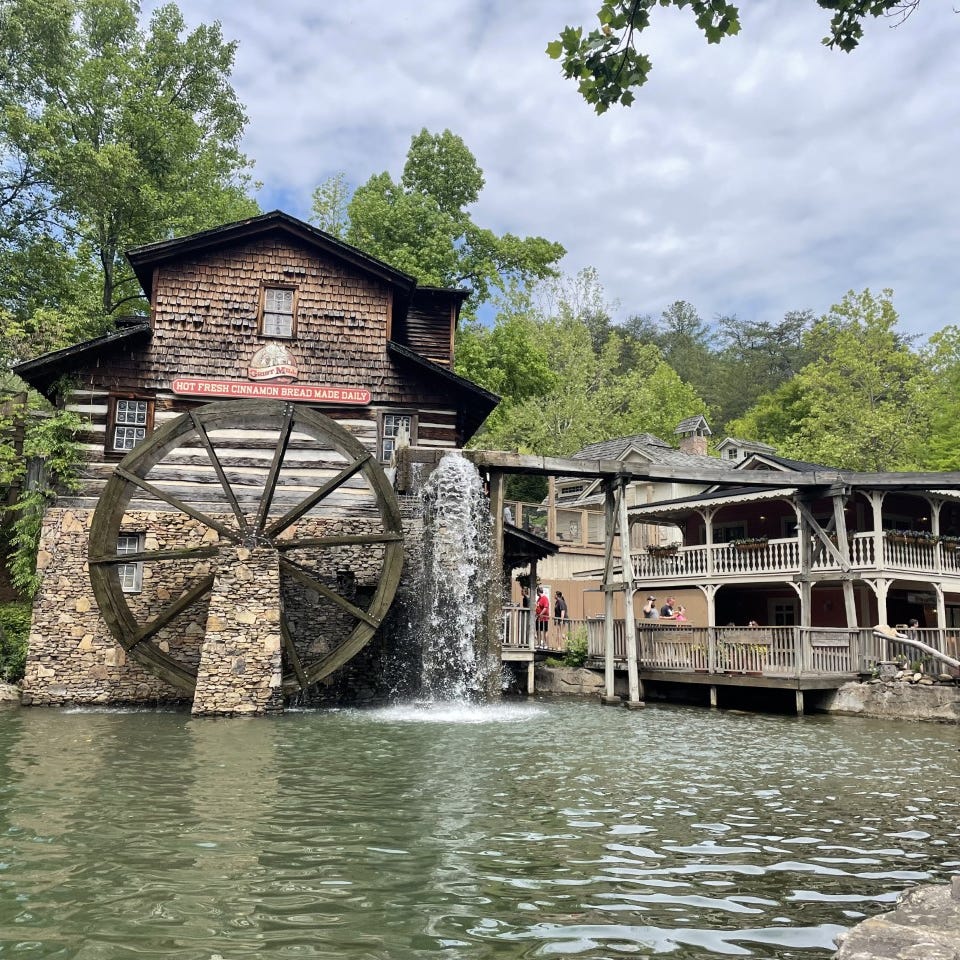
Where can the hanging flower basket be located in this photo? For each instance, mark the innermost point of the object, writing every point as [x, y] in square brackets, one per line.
[749, 545]
[666, 550]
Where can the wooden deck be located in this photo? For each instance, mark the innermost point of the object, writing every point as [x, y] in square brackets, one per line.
[784, 658]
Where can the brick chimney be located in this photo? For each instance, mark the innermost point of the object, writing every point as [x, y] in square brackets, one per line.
[693, 433]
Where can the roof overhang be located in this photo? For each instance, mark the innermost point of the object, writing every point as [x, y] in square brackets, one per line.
[481, 402]
[42, 372]
[521, 546]
[673, 510]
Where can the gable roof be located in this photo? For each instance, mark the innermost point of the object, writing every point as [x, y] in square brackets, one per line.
[770, 461]
[751, 445]
[693, 424]
[145, 258]
[616, 448]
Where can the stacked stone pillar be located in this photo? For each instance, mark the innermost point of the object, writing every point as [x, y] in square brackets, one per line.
[240, 660]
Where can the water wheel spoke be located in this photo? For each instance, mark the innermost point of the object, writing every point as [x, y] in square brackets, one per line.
[309, 581]
[292, 654]
[172, 610]
[295, 513]
[218, 467]
[181, 553]
[342, 540]
[270, 486]
[206, 520]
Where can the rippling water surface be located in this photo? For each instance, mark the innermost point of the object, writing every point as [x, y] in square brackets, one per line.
[529, 830]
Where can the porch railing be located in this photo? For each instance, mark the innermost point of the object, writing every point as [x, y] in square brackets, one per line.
[783, 556]
[516, 633]
[765, 651]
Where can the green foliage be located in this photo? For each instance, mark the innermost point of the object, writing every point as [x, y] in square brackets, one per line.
[607, 66]
[330, 202]
[420, 225]
[860, 404]
[577, 648]
[14, 634]
[129, 136]
[52, 440]
[940, 395]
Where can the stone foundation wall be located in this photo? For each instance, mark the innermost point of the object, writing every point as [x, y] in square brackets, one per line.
[72, 657]
[240, 662]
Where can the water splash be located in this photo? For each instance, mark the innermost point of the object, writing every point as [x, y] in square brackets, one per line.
[456, 662]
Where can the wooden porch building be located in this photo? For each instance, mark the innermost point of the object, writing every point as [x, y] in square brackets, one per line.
[838, 548]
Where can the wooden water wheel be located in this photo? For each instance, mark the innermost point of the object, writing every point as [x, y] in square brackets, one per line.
[254, 474]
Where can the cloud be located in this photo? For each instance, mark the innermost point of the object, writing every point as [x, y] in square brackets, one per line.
[756, 176]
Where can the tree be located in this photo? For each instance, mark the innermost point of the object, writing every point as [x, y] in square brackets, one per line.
[132, 136]
[330, 202]
[421, 224]
[608, 67]
[860, 404]
[941, 400]
[582, 391]
[755, 358]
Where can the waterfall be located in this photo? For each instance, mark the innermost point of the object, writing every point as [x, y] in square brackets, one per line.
[456, 580]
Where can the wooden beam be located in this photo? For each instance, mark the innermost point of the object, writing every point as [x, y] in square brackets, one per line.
[231, 535]
[291, 516]
[304, 577]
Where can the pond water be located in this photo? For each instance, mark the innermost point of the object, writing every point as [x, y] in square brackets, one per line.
[540, 829]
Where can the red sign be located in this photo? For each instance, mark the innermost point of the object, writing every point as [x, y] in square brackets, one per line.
[198, 387]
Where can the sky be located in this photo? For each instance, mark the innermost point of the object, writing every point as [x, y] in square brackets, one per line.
[754, 177]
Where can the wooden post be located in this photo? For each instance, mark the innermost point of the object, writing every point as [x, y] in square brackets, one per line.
[496, 595]
[609, 517]
[843, 545]
[629, 617]
[713, 697]
[799, 703]
[531, 674]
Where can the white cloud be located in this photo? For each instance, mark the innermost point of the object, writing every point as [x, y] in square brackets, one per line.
[760, 175]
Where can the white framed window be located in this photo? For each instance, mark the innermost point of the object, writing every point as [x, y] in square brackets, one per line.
[131, 574]
[732, 453]
[392, 427]
[278, 310]
[129, 424]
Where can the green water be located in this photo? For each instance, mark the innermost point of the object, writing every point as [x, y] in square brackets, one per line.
[534, 830]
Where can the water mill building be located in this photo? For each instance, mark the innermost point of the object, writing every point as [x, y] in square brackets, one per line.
[251, 543]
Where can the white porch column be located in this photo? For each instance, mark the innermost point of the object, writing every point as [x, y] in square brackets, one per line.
[941, 611]
[708, 515]
[843, 545]
[876, 503]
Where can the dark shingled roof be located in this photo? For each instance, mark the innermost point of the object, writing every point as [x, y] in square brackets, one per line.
[690, 424]
[646, 443]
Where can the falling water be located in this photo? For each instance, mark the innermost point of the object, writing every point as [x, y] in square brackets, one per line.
[455, 583]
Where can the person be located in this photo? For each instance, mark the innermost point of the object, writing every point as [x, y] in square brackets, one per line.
[559, 608]
[650, 609]
[753, 623]
[542, 614]
[681, 615]
[667, 610]
[525, 597]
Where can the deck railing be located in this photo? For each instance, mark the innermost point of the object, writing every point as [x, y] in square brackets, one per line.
[516, 632]
[765, 651]
[782, 556]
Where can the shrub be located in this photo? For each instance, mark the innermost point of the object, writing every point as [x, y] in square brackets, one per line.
[14, 632]
[577, 647]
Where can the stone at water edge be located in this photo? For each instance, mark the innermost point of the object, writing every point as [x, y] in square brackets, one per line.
[9, 693]
[924, 926]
